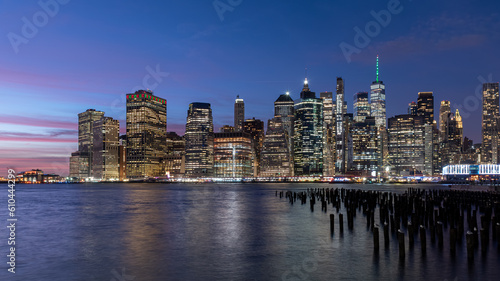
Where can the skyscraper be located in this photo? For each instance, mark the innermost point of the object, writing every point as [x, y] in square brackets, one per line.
[199, 139]
[105, 158]
[284, 110]
[377, 97]
[365, 142]
[406, 143]
[86, 140]
[489, 122]
[361, 107]
[146, 134]
[239, 114]
[425, 105]
[255, 128]
[308, 137]
[275, 156]
[340, 138]
[328, 134]
[444, 113]
[175, 161]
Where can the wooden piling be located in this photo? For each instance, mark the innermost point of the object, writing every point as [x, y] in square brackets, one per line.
[341, 222]
[453, 241]
[423, 239]
[470, 246]
[332, 223]
[401, 240]
[386, 235]
[375, 239]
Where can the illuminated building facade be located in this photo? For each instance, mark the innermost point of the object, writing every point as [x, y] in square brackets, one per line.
[86, 140]
[175, 160]
[255, 128]
[328, 134]
[233, 155]
[377, 100]
[406, 144]
[275, 157]
[199, 139]
[341, 134]
[489, 123]
[146, 134]
[365, 146]
[308, 134]
[444, 114]
[105, 159]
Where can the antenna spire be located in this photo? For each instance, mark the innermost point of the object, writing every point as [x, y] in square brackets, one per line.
[377, 69]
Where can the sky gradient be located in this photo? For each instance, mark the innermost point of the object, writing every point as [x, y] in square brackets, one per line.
[89, 54]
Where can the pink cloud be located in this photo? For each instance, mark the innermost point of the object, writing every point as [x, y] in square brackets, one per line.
[37, 122]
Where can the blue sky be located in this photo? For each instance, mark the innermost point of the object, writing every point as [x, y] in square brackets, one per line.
[89, 54]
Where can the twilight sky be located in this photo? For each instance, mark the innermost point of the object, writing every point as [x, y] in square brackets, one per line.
[59, 60]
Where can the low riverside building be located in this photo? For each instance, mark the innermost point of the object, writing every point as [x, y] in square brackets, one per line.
[233, 155]
[472, 172]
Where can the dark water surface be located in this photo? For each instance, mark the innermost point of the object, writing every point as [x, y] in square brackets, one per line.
[208, 232]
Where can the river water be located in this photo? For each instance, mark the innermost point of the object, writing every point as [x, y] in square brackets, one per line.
[208, 232]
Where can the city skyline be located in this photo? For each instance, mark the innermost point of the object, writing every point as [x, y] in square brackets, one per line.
[454, 44]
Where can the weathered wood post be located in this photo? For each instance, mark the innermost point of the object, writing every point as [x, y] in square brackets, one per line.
[332, 223]
[401, 239]
[375, 239]
[423, 239]
[470, 246]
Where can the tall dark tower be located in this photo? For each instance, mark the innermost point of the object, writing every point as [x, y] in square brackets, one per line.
[425, 107]
[239, 114]
[199, 140]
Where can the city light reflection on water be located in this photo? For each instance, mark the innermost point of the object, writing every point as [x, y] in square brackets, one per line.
[210, 232]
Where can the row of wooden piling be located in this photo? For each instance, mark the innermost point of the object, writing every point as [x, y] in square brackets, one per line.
[419, 212]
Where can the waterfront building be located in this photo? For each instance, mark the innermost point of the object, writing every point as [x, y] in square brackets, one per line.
[340, 132]
[233, 155]
[365, 143]
[105, 156]
[79, 165]
[284, 110]
[489, 123]
[328, 134]
[199, 139]
[406, 144]
[239, 114]
[255, 128]
[308, 134]
[146, 134]
[175, 160]
[275, 157]
[86, 140]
